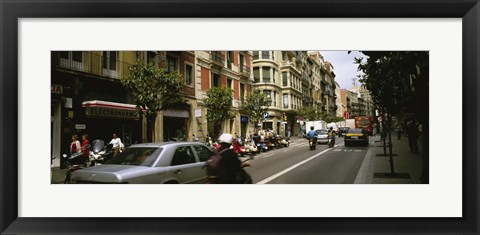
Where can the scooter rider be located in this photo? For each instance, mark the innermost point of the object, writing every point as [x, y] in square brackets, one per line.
[312, 134]
[331, 136]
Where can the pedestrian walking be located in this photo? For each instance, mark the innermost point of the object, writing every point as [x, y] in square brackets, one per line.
[116, 145]
[412, 132]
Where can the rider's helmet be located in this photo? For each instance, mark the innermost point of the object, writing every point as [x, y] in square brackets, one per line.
[331, 128]
[311, 128]
[225, 138]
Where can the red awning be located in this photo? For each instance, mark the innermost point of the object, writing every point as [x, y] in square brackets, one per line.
[107, 104]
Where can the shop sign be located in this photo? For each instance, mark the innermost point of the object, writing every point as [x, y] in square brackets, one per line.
[80, 126]
[176, 113]
[198, 112]
[110, 113]
[243, 119]
[57, 89]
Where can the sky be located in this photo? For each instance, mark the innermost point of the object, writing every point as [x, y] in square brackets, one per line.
[343, 66]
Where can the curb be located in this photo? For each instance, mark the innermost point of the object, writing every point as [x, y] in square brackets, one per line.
[365, 173]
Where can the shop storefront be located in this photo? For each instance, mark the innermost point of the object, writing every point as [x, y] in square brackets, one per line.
[103, 118]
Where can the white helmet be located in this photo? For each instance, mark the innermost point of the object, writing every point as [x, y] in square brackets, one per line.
[225, 138]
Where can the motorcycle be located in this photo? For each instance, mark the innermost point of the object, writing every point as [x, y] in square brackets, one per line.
[209, 141]
[238, 147]
[251, 148]
[100, 152]
[331, 142]
[312, 143]
[73, 164]
[285, 142]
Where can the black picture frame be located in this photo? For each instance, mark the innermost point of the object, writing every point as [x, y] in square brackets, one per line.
[11, 11]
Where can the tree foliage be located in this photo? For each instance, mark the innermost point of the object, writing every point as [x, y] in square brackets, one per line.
[256, 103]
[153, 90]
[311, 113]
[218, 103]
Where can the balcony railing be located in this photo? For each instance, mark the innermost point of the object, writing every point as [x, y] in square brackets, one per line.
[244, 69]
[217, 57]
[92, 63]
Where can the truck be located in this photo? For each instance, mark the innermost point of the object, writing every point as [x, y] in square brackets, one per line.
[350, 123]
[317, 125]
[365, 123]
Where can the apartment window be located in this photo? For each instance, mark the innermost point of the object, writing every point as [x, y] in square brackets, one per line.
[242, 92]
[265, 54]
[242, 62]
[188, 74]
[255, 55]
[229, 83]
[274, 98]
[268, 93]
[285, 78]
[273, 55]
[215, 80]
[229, 59]
[273, 76]
[285, 101]
[256, 74]
[172, 64]
[77, 56]
[151, 56]
[266, 74]
[71, 59]
[110, 60]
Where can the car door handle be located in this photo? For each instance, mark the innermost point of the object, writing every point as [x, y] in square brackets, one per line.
[178, 172]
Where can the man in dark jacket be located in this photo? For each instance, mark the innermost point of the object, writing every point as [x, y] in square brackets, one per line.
[412, 132]
[229, 165]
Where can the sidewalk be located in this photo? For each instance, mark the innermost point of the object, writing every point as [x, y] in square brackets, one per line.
[405, 162]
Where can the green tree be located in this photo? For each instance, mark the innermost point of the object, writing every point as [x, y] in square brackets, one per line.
[388, 76]
[218, 103]
[309, 113]
[153, 90]
[255, 105]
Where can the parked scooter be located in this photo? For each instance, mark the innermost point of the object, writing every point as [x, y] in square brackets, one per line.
[74, 163]
[251, 148]
[238, 147]
[285, 142]
[100, 153]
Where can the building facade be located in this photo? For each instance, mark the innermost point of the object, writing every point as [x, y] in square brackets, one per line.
[88, 98]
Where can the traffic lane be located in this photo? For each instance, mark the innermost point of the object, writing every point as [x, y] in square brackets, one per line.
[340, 165]
[267, 164]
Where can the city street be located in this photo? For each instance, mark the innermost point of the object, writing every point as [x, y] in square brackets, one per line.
[298, 164]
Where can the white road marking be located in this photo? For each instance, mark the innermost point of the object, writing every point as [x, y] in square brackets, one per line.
[337, 150]
[286, 150]
[291, 168]
[357, 150]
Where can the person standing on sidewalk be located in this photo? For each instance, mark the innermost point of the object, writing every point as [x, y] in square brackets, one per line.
[412, 132]
[75, 145]
[86, 149]
[399, 132]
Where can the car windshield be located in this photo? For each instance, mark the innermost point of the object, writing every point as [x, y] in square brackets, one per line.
[321, 132]
[136, 156]
[355, 131]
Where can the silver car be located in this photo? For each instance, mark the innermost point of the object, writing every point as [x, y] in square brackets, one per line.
[151, 163]
[322, 136]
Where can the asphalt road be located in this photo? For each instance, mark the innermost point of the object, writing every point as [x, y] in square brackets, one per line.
[298, 164]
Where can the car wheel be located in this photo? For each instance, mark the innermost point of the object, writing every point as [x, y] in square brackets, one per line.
[171, 182]
[347, 145]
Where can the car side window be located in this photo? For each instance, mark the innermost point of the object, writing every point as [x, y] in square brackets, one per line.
[183, 155]
[202, 152]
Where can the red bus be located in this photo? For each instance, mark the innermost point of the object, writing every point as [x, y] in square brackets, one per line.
[365, 123]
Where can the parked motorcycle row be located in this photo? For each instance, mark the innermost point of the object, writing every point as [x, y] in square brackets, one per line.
[254, 145]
